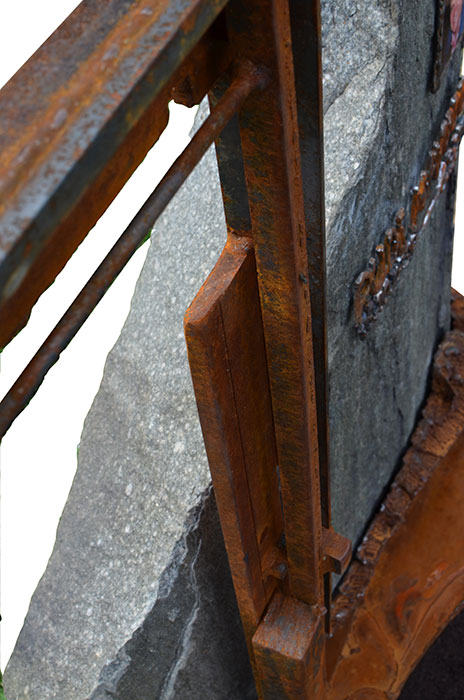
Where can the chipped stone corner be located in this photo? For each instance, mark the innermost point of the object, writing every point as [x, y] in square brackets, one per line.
[184, 646]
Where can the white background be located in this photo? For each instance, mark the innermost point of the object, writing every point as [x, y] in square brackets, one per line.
[39, 452]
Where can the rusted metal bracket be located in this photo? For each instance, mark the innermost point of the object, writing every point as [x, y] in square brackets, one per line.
[336, 552]
[226, 349]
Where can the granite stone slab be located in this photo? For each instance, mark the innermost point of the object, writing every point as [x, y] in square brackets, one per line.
[390, 118]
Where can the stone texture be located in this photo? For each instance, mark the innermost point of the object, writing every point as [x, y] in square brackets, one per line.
[359, 41]
[379, 126]
[188, 639]
[127, 583]
[136, 602]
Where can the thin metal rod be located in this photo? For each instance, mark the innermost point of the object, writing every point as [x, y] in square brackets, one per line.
[248, 79]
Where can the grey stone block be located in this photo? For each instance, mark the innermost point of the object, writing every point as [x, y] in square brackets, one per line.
[389, 119]
[136, 602]
[190, 644]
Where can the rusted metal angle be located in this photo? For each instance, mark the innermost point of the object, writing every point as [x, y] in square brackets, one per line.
[305, 20]
[270, 145]
[248, 79]
[67, 112]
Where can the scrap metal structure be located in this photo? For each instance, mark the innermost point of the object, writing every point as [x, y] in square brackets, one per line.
[74, 124]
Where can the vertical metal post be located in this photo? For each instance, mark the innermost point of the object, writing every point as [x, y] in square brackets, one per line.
[306, 42]
[279, 200]
[271, 156]
[305, 20]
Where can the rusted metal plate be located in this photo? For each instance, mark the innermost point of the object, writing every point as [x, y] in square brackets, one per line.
[407, 581]
[64, 118]
[270, 145]
[227, 358]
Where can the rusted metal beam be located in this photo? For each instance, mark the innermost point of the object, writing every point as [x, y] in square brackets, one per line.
[76, 120]
[305, 20]
[248, 79]
[270, 144]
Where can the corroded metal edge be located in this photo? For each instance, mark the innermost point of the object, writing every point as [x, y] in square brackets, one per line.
[78, 119]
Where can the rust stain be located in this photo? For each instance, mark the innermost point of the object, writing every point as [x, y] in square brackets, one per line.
[270, 146]
[405, 602]
[373, 286]
[108, 94]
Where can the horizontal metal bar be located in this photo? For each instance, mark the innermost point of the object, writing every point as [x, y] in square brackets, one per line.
[17, 398]
[66, 113]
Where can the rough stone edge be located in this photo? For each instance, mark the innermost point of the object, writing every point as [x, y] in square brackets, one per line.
[441, 423]
[114, 672]
[136, 665]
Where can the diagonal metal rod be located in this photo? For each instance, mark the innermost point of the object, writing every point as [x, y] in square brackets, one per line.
[248, 79]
